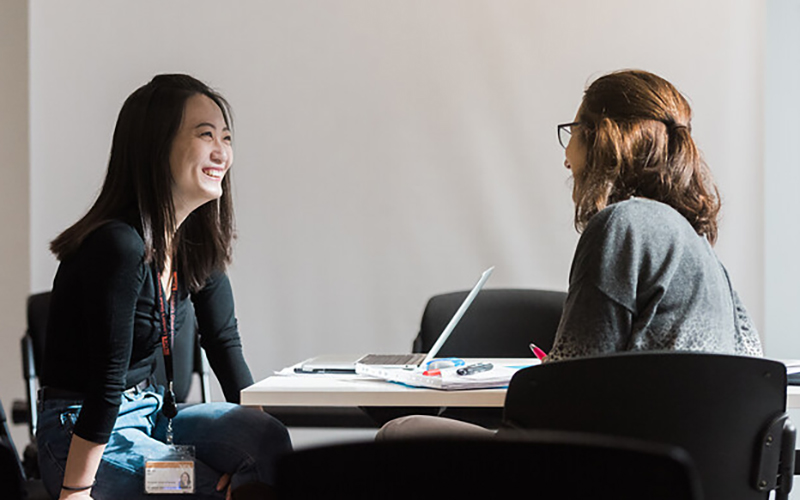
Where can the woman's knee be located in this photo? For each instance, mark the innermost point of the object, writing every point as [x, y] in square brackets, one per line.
[425, 426]
[273, 431]
[259, 428]
[244, 427]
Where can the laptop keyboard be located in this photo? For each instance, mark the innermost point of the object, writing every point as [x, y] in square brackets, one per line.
[392, 359]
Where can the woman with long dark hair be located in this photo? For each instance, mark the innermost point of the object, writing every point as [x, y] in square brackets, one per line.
[644, 275]
[159, 235]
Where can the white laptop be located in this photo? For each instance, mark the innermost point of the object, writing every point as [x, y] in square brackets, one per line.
[346, 364]
[414, 360]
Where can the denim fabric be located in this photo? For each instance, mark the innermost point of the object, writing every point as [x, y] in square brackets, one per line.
[228, 438]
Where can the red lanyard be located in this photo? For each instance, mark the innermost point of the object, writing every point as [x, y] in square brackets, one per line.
[167, 336]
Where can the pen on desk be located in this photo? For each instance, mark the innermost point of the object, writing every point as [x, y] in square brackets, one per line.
[480, 367]
[538, 352]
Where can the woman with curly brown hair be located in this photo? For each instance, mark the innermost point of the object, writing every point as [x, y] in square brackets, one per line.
[644, 275]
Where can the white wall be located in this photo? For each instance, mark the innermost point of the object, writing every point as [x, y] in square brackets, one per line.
[388, 151]
[782, 178]
[14, 200]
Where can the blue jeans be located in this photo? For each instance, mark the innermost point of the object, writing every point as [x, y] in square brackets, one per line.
[228, 438]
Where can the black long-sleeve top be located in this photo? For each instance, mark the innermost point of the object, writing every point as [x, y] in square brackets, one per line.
[105, 325]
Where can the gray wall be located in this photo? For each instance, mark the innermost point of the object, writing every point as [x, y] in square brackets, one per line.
[14, 198]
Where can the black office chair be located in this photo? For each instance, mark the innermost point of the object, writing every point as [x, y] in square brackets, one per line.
[500, 323]
[16, 484]
[727, 412]
[12, 476]
[189, 359]
[536, 465]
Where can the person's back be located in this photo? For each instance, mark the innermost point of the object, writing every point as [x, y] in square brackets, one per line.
[643, 279]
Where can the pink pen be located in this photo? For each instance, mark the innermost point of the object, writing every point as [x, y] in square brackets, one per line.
[538, 352]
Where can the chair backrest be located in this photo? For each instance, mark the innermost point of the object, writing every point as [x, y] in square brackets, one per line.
[544, 465]
[501, 323]
[12, 476]
[37, 313]
[727, 412]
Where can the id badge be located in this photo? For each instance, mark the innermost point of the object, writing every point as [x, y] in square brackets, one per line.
[172, 473]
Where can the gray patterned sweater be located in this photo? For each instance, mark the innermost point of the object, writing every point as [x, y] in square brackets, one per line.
[642, 279]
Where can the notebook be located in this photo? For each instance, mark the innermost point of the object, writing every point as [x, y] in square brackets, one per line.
[346, 363]
[414, 360]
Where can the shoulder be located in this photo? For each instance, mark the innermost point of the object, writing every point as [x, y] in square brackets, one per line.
[639, 214]
[628, 234]
[639, 222]
[115, 239]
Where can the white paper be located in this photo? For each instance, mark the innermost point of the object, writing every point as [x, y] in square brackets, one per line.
[449, 380]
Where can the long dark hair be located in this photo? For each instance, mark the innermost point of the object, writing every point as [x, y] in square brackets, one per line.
[138, 185]
[636, 127]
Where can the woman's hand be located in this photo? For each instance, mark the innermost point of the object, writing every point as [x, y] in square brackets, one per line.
[75, 495]
[224, 482]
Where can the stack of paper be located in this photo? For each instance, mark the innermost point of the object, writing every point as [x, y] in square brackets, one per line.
[448, 380]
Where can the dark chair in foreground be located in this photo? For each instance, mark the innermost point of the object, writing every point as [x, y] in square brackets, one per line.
[538, 465]
[500, 323]
[727, 412]
[189, 359]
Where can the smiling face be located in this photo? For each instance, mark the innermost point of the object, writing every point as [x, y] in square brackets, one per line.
[200, 157]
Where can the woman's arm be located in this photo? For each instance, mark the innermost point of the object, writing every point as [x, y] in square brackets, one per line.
[106, 274]
[748, 342]
[219, 335]
[592, 323]
[112, 260]
[82, 463]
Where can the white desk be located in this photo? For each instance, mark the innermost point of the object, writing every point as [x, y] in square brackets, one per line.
[333, 390]
[349, 391]
[793, 397]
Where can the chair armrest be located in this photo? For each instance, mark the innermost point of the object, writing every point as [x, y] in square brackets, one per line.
[775, 458]
[19, 412]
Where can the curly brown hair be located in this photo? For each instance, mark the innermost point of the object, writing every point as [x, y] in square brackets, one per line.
[636, 127]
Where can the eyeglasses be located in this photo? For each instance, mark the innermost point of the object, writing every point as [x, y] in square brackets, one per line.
[565, 132]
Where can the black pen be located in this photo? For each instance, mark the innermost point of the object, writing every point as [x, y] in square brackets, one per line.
[480, 367]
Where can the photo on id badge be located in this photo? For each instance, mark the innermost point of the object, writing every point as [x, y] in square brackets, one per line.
[172, 473]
